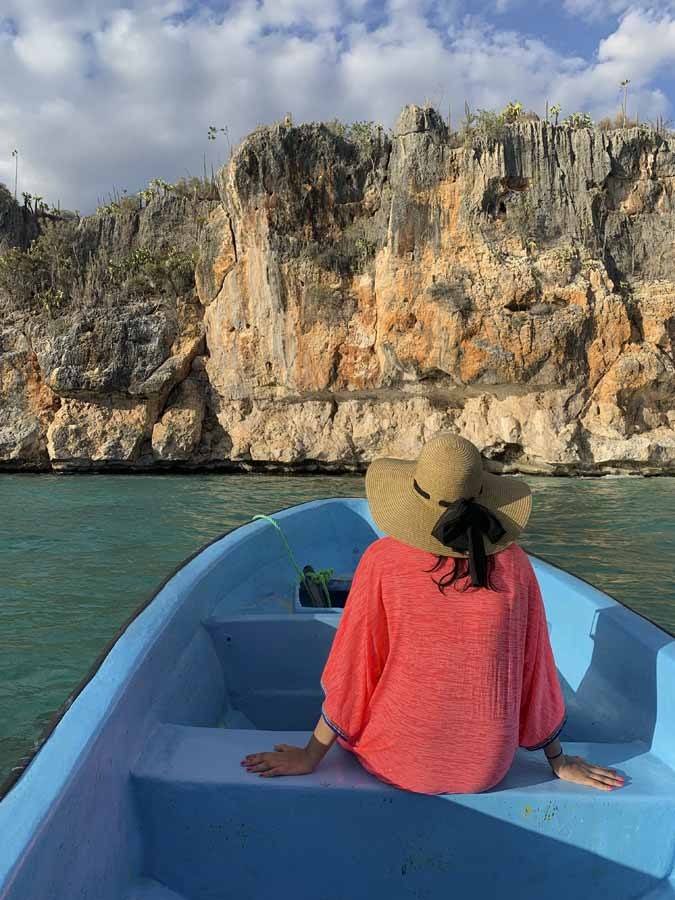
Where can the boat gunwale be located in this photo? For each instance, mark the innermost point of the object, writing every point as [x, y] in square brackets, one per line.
[18, 771]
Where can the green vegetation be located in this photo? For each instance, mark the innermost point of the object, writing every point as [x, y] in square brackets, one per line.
[212, 133]
[7, 203]
[55, 271]
[511, 112]
[366, 134]
[44, 276]
[492, 125]
[578, 120]
[489, 124]
[555, 111]
[143, 271]
[31, 203]
[191, 188]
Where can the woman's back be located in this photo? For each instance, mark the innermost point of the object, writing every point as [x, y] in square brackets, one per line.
[435, 691]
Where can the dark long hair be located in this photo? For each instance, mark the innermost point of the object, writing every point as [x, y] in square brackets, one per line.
[451, 578]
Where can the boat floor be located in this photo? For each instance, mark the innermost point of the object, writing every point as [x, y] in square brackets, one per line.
[203, 813]
[149, 889]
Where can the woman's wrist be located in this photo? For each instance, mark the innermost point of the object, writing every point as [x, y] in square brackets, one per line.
[554, 754]
[320, 742]
[316, 750]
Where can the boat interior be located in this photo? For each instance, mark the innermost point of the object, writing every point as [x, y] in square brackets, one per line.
[226, 661]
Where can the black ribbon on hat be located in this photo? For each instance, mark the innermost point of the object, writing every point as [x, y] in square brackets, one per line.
[461, 528]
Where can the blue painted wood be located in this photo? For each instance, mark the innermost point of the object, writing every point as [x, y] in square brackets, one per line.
[149, 889]
[138, 793]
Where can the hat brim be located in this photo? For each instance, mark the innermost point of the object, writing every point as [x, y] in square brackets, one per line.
[402, 513]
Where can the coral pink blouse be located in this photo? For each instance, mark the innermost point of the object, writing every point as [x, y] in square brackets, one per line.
[434, 692]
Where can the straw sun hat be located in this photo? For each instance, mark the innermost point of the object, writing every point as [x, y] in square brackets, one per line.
[445, 502]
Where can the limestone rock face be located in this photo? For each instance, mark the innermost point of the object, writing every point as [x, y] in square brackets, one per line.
[176, 435]
[103, 365]
[356, 293]
[353, 431]
[82, 433]
[27, 405]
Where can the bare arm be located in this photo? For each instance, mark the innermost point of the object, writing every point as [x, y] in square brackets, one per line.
[289, 760]
[574, 768]
[320, 742]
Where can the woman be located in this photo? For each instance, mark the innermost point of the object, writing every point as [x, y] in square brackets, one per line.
[434, 683]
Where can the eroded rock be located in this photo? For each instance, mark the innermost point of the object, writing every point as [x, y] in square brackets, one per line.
[176, 435]
[354, 297]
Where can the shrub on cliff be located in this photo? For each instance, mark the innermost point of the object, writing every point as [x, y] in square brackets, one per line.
[351, 252]
[9, 212]
[192, 188]
[363, 134]
[367, 137]
[143, 271]
[195, 188]
[44, 276]
[578, 120]
[491, 125]
[6, 202]
[57, 270]
[609, 124]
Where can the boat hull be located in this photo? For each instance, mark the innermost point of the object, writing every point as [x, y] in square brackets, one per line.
[138, 793]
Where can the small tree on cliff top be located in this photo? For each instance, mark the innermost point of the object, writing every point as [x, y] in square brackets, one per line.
[578, 120]
[511, 112]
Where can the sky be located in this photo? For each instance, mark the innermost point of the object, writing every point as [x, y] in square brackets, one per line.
[99, 97]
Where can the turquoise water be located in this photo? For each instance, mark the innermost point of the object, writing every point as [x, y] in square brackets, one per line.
[79, 553]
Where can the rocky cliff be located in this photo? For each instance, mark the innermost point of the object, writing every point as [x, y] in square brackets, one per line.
[342, 298]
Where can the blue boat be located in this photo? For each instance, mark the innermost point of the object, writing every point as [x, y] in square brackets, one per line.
[137, 792]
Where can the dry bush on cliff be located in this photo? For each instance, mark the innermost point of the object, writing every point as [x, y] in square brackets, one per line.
[578, 120]
[6, 203]
[609, 124]
[196, 188]
[351, 252]
[143, 272]
[45, 276]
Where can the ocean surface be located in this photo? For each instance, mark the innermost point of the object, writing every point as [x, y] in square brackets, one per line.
[78, 554]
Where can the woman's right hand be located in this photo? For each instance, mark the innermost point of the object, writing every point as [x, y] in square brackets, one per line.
[576, 769]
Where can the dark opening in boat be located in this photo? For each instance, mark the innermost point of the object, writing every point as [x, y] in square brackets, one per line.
[338, 590]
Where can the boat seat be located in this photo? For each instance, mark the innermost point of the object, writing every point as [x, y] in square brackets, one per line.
[663, 891]
[149, 889]
[197, 803]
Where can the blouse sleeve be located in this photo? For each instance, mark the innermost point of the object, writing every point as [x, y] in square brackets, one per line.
[357, 655]
[542, 706]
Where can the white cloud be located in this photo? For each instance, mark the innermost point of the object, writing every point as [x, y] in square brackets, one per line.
[98, 95]
[597, 10]
[286, 13]
[643, 43]
[49, 49]
[640, 48]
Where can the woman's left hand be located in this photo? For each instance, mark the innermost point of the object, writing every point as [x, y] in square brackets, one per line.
[286, 760]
